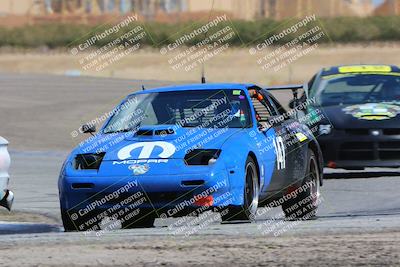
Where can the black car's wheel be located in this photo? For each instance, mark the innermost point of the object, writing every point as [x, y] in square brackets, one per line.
[304, 204]
[248, 210]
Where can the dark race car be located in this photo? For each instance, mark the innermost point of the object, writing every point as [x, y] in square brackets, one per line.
[361, 123]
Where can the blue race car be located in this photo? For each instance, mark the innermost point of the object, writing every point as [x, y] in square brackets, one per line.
[182, 150]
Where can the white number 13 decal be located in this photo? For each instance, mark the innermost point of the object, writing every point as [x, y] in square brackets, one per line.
[280, 153]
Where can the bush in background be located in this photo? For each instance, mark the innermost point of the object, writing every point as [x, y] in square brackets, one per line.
[339, 30]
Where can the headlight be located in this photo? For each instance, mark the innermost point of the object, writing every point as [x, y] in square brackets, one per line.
[202, 156]
[88, 161]
[325, 129]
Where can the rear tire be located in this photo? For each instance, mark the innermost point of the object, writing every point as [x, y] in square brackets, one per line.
[248, 210]
[305, 204]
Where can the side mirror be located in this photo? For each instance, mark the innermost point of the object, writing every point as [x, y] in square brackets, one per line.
[88, 128]
[262, 127]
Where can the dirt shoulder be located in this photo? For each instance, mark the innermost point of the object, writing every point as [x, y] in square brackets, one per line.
[28, 217]
[373, 249]
[150, 64]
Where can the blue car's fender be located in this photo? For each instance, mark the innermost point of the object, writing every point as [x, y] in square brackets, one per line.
[235, 151]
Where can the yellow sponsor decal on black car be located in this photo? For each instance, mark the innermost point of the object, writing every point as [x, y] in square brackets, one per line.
[373, 111]
[364, 69]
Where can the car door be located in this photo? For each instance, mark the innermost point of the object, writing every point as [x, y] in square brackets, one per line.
[278, 121]
[274, 132]
[295, 151]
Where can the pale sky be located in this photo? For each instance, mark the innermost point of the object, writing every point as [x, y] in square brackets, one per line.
[377, 2]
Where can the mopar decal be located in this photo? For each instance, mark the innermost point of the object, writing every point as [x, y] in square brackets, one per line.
[147, 148]
[139, 161]
[373, 111]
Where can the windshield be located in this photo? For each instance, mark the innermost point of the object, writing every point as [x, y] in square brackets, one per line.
[196, 108]
[358, 89]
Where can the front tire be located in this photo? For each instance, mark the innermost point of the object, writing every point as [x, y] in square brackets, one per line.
[305, 204]
[67, 222]
[248, 210]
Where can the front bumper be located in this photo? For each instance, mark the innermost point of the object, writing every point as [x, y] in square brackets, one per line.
[360, 148]
[7, 200]
[167, 194]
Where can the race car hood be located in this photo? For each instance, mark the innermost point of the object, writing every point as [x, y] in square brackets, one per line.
[155, 142]
[369, 115]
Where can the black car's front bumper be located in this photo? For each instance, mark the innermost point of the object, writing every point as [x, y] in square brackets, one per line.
[359, 148]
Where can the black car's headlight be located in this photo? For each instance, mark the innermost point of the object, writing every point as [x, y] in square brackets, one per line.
[202, 156]
[324, 129]
[88, 161]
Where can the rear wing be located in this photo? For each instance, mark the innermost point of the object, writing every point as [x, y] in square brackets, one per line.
[292, 87]
[285, 87]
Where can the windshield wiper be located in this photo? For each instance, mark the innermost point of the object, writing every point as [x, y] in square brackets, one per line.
[122, 130]
[134, 128]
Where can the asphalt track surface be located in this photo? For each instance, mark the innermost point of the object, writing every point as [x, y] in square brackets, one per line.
[37, 118]
[345, 198]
